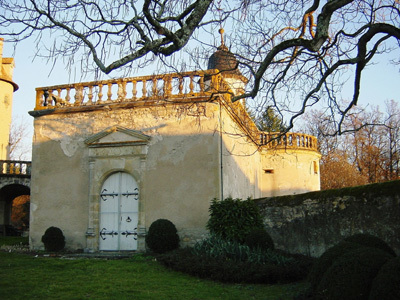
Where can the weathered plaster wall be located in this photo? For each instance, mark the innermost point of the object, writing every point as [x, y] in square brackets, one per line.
[241, 161]
[6, 97]
[178, 169]
[288, 171]
[252, 172]
[312, 222]
[178, 174]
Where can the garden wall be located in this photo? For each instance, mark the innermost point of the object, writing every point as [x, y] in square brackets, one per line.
[312, 222]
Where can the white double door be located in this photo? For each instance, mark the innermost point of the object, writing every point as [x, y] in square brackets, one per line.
[119, 203]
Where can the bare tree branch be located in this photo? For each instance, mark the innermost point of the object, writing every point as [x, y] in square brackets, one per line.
[296, 54]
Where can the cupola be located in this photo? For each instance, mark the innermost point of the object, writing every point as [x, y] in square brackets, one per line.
[226, 62]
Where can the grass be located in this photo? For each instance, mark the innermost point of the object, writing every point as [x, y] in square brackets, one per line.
[13, 240]
[25, 276]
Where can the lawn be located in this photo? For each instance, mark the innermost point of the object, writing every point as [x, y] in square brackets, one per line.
[25, 276]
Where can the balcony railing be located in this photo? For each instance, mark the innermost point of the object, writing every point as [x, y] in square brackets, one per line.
[288, 140]
[15, 167]
[124, 90]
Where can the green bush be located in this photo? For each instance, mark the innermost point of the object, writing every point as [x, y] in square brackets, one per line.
[186, 261]
[351, 275]
[53, 239]
[348, 244]
[217, 247]
[233, 219]
[369, 240]
[259, 238]
[325, 261]
[162, 236]
[386, 284]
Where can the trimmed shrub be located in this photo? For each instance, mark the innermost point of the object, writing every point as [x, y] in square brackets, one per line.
[259, 238]
[162, 236]
[348, 244]
[351, 275]
[230, 271]
[386, 284]
[325, 261]
[369, 240]
[53, 239]
[233, 219]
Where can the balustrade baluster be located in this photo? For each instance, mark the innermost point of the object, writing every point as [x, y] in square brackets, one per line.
[154, 87]
[90, 95]
[144, 89]
[120, 92]
[191, 85]
[124, 92]
[67, 96]
[100, 94]
[109, 92]
[201, 83]
[167, 86]
[180, 85]
[59, 93]
[134, 89]
[50, 98]
[78, 95]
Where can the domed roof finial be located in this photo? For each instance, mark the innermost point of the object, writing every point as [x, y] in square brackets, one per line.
[222, 47]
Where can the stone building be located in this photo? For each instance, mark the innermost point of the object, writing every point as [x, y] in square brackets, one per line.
[110, 157]
[7, 88]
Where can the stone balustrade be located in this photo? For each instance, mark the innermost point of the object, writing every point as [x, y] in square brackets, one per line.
[288, 140]
[179, 87]
[176, 86]
[15, 167]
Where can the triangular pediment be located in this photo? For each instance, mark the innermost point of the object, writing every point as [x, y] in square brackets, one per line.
[117, 136]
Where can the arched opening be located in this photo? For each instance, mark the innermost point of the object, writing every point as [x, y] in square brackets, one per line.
[14, 209]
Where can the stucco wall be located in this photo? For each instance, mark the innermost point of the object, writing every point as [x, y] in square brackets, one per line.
[241, 161]
[178, 174]
[251, 171]
[7, 88]
[178, 168]
[288, 171]
[6, 96]
[312, 222]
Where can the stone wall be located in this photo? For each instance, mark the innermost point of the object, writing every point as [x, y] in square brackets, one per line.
[312, 222]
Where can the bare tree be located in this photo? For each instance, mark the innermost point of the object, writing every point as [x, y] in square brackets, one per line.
[298, 52]
[295, 53]
[19, 147]
[133, 30]
[365, 154]
[392, 130]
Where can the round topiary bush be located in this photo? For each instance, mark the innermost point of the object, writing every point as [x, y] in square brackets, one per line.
[386, 284]
[53, 239]
[162, 236]
[325, 261]
[351, 275]
[259, 238]
[369, 240]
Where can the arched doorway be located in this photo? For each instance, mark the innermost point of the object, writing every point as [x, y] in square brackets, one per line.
[119, 204]
[10, 194]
